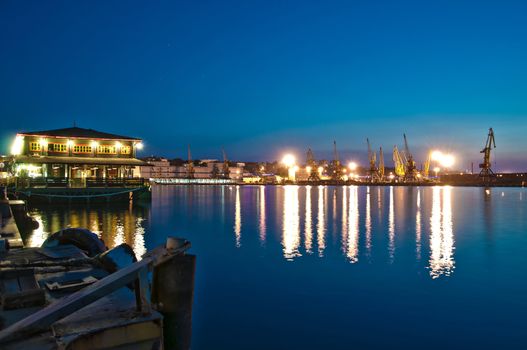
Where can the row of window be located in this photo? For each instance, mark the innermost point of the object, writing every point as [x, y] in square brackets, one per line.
[63, 148]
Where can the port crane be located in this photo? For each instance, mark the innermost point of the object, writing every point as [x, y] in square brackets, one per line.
[426, 167]
[410, 171]
[486, 170]
[337, 168]
[190, 165]
[372, 157]
[225, 172]
[310, 161]
[381, 164]
[398, 163]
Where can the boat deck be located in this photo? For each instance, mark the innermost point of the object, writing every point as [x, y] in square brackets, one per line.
[111, 322]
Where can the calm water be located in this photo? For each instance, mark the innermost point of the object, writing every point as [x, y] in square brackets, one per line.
[337, 267]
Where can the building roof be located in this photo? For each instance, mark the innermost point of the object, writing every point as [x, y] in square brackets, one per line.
[80, 160]
[76, 132]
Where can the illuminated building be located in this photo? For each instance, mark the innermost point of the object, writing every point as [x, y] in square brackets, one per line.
[74, 157]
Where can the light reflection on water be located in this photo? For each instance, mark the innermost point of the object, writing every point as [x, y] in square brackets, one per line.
[114, 225]
[303, 223]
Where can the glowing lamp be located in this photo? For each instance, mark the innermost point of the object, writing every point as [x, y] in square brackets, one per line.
[17, 146]
[139, 145]
[289, 160]
[352, 166]
[43, 142]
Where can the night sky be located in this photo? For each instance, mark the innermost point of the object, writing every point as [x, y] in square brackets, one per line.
[263, 77]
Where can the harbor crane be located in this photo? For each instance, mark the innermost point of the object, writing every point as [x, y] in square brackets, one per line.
[372, 157]
[381, 164]
[486, 170]
[225, 172]
[190, 165]
[312, 166]
[398, 163]
[410, 171]
[336, 174]
[426, 167]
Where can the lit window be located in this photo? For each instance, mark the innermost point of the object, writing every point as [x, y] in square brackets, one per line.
[35, 146]
[125, 149]
[57, 147]
[82, 149]
[106, 149]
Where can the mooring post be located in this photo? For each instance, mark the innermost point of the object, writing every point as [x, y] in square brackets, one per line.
[173, 293]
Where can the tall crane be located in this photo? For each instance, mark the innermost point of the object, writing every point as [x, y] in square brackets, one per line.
[486, 171]
[312, 164]
[372, 157]
[225, 172]
[190, 165]
[337, 168]
[426, 167]
[381, 164]
[398, 163]
[410, 171]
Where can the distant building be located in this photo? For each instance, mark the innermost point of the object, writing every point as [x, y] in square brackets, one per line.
[204, 169]
[157, 168]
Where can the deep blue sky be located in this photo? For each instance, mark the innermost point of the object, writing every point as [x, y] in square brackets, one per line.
[262, 77]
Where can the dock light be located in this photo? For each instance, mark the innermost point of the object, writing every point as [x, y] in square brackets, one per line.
[436, 155]
[43, 142]
[445, 160]
[391, 176]
[289, 160]
[118, 145]
[448, 160]
[94, 144]
[352, 166]
[308, 169]
[69, 143]
[320, 170]
[437, 170]
[17, 146]
[139, 145]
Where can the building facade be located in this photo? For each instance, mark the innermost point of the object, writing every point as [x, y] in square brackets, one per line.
[75, 155]
[157, 168]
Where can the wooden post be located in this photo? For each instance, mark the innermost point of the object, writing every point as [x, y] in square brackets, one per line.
[173, 293]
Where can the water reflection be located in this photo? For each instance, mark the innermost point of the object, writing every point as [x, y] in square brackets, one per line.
[291, 220]
[308, 223]
[113, 224]
[441, 234]
[321, 224]
[353, 226]
[344, 239]
[238, 218]
[261, 214]
[367, 223]
[391, 227]
[291, 223]
[418, 227]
